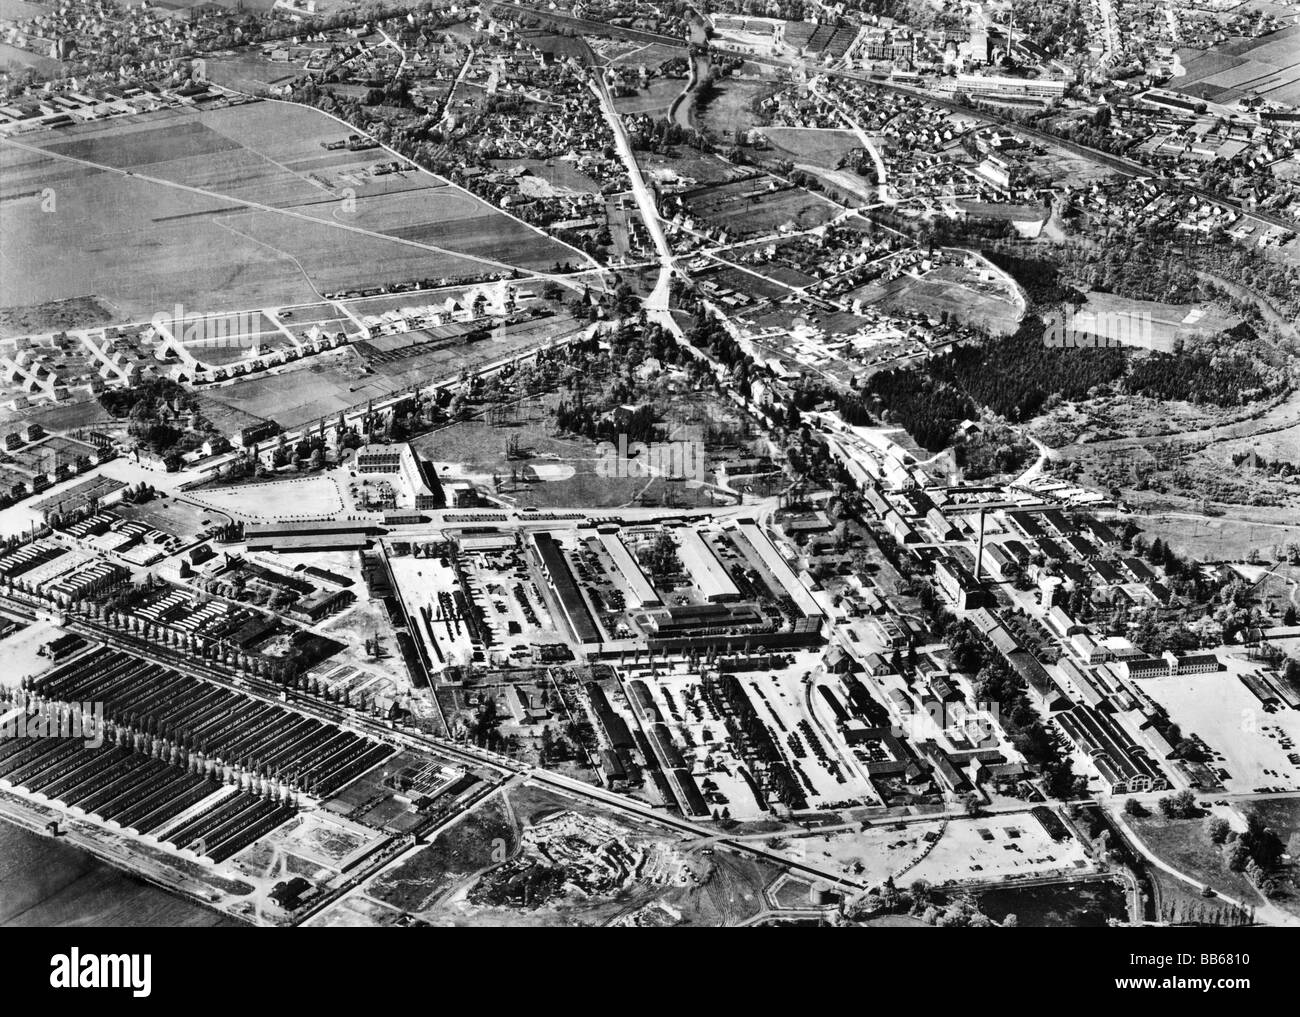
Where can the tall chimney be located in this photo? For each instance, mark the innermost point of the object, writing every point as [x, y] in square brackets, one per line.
[979, 550]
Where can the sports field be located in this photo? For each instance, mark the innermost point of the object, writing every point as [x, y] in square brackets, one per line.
[234, 208]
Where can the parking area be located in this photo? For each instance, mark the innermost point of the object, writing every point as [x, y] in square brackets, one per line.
[1247, 741]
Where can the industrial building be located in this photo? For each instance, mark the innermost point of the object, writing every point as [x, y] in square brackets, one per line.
[418, 478]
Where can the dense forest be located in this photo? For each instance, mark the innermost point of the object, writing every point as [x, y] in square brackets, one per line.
[929, 408]
[1013, 375]
[1142, 266]
[147, 398]
[1198, 377]
[1041, 280]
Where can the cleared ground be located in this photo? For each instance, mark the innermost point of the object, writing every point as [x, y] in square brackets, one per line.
[315, 497]
[950, 288]
[961, 849]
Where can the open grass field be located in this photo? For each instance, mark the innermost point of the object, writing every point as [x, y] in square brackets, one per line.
[14, 60]
[20, 10]
[179, 516]
[560, 174]
[324, 386]
[56, 316]
[1217, 538]
[685, 165]
[655, 98]
[250, 71]
[1161, 325]
[816, 147]
[232, 208]
[1183, 844]
[553, 470]
[634, 54]
[729, 107]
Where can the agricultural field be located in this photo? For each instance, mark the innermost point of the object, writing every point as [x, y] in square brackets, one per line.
[236, 207]
[1268, 67]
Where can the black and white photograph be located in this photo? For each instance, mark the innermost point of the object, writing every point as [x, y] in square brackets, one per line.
[572, 464]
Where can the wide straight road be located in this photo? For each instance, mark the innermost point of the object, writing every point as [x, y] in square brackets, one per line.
[863, 137]
[658, 299]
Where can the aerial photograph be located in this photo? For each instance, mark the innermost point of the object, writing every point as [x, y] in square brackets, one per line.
[651, 463]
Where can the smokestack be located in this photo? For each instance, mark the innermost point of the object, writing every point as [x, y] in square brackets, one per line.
[979, 550]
